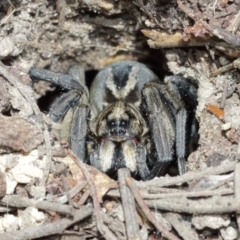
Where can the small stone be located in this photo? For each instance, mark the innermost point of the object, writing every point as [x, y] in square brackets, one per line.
[38, 192]
[228, 233]
[226, 126]
[10, 223]
[210, 221]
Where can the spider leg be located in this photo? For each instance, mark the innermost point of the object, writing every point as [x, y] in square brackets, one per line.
[184, 92]
[181, 119]
[71, 108]
[66, 81]
[78, 131]
[78, 73]
[159, 169]
[79, 116]
[93, 155]
[74, 123]
[183, 89]
[160, 120]
[163, 105]
[143, 169]
[61, 106]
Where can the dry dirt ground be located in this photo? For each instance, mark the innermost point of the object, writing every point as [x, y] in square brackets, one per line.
[45, 193]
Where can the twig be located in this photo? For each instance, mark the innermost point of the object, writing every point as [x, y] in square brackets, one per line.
[101, 227]
[10, 77]
[144, 9]
[191, 194]
[238, 151]
[9, 1]
[21, 88]
[113, 48]
[74, 233]
[227, 49]
[61, 8]
[75, 190]
[4, 20]
[84, 197]
[128, 204]
[149, 192]
[3, 184]
[205, 206]
[23, 202]
[223, 34]
[236, 23]
[221, 182]
[117, 226]
[237, 184]
[113, 193]
[237, 190]
[147, 211]
[183, 228]
[186, 10]
[224, 94]
[49, 228]
[92, 187]
[226, 166]
[226, 68]
[214, 7]
[48, 159]
[65, 187]
[156, 190]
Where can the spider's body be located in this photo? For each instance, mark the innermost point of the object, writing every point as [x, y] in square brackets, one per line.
[132, 115]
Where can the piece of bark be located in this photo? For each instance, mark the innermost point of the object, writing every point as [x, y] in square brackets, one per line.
[160, 39]
[19, 134]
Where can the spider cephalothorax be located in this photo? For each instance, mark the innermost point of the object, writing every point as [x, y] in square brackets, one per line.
[129, 118]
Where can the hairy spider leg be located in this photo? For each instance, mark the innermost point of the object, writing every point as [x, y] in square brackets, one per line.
[168, 123]
[79, 130]
[66, 81]
[161, 121]
[143, 169]
[71, 108]
[181, 91]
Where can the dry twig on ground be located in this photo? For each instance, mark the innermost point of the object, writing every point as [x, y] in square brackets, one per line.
[128, 205]
[48, 229]
[147, 211]
[97, 209]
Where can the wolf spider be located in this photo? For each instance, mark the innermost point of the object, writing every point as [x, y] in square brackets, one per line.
[128, 118]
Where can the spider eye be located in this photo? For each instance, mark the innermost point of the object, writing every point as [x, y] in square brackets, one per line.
[112, 123]
[115, 123]
[124, 123]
